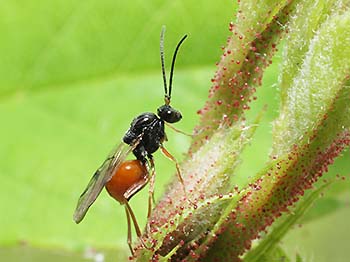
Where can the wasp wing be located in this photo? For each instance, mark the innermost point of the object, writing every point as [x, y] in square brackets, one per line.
[101, 177]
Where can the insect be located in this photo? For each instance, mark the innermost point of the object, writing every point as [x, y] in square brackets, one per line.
[123, 179]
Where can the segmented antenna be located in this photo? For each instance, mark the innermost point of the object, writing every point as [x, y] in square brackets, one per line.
[173, 64]
[167, 95]
[162, 59]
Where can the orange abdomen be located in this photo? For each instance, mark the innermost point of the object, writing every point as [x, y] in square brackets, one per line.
[128, 179]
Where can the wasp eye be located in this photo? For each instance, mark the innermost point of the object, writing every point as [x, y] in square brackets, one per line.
[169, 114]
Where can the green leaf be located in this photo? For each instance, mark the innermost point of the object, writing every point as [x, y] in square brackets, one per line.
[53, 141]
[73, 75]
[49, 45]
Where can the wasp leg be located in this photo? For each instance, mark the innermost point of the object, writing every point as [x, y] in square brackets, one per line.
[152, 182]
[178, 130]
[172, 158]
[136, 225]
[151, 190]
[129, 230]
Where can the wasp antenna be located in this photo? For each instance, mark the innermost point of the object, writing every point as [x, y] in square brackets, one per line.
[162, 60]
[173, 64]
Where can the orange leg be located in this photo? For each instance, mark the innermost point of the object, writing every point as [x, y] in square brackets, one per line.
[172, 158]
[136, 225]
[178, 130]
[129, 231]
[151, 190]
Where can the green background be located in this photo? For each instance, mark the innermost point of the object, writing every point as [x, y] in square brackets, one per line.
[73, 75]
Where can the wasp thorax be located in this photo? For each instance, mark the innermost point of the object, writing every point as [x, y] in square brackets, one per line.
[169, 114]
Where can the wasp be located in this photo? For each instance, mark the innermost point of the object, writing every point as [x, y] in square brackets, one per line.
[124, 178]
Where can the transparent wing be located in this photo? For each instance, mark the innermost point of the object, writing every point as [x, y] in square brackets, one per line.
[101, 177]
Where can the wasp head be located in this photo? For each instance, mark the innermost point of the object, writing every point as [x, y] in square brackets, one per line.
[169, 114]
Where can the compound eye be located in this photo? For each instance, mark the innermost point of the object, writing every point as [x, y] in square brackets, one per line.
[169, 113]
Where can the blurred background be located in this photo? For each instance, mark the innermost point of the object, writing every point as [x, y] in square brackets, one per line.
[73, 76]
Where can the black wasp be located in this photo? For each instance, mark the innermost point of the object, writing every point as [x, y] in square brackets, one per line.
[123, 179]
